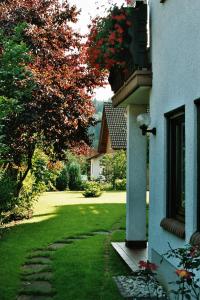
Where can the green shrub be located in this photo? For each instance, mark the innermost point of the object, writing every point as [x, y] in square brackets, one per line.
[62, 180]
[105, 186]
[29, 193]
[92, 189]
[17, 213]
[120, 184]
[45, 170]
[114, 166]
[74, 171]
[7, 192]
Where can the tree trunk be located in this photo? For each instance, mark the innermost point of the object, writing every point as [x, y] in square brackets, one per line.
[23, 177]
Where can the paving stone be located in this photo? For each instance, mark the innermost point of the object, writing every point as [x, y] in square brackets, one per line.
[65, 241]
[37, 286]
[40, 249]
[39, 259]
[38, 276]
[56, 246]
[85, 236]
[77, 238]
[34, 267]
[41, 253]
[34, 297]
[101, 232]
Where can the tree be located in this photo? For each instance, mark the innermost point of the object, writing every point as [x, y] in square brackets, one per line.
[57, 112]
[114, 166]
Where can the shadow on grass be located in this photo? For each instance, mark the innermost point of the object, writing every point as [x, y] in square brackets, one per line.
[64, 221]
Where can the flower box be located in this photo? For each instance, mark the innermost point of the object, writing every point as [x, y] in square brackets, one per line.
[118, 43]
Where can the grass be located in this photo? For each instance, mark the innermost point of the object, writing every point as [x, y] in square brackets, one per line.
[82, 270]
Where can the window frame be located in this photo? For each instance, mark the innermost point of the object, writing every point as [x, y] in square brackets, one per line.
[197, 102]
[174, 119]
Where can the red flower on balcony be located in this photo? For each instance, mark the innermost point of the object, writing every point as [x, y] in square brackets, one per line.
[108, 41]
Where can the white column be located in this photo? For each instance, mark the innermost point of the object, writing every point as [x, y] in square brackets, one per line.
[136, 180]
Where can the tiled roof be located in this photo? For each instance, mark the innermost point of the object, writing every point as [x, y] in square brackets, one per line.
[116, 122]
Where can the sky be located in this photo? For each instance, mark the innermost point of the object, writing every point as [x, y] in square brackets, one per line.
[89, 9]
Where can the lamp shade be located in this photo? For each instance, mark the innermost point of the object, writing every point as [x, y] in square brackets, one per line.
[144, 119]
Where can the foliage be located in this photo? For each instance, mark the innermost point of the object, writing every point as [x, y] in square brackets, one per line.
[46, 84]
[62, 181]
[16, 83]
[147, 272]
[105, 186]
[74, 176]
[92, 189]
[16, 80]
[114, 166]
[45, 170]
[71, 157]
[7, 192]
[120, 184]
[108, 40]
[188, 264]
[60, 109]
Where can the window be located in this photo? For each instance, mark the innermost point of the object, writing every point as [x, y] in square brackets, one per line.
[176, 165]
[198, 165]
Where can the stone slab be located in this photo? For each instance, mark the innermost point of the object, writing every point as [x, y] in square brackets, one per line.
[40, 286]
[39, 259]
[101, 232]
[39, 276]
[41, 253]
[34, 297]
[65, 241]
[56, 246]
[34, 267]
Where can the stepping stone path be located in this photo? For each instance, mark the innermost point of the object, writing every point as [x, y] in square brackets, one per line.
[37, 272]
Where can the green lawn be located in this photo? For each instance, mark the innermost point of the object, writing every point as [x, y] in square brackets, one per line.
[82, 270]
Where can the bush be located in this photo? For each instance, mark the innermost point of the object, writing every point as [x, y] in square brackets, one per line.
[114, 166]
[74, 176]
[7, 192]
[105, 186]
[120, 184]
[62, 180]
[92, 189]
[17, 213]
[45, 170]
[13, 208]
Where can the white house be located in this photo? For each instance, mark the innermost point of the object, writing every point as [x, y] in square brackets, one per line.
[169, 88]
[112, 136]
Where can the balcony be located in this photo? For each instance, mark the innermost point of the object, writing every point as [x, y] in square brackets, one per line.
[135, 54]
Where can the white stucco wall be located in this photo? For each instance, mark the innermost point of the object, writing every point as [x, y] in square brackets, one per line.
[175, 42]
[96, 169]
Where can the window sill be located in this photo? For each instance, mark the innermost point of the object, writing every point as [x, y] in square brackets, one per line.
[195, 239]
[173, 226]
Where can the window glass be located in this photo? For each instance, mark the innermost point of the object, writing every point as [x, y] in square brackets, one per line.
[176, 165]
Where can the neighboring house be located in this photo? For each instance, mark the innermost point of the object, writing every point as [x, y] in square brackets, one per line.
[112, 136]
[95, 167]
[171, 91]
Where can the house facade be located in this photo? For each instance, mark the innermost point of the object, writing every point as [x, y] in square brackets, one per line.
[168, 90]
[112, 136]
[173, 151]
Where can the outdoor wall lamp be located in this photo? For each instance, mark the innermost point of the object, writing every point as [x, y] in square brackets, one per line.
[144, 121]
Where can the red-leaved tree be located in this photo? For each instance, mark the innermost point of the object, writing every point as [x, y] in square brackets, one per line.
[60, 110]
